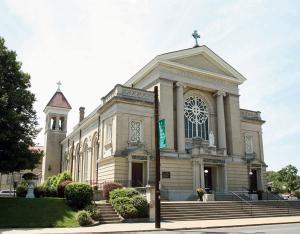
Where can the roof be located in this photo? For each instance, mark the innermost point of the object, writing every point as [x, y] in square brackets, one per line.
[59, 100]
[168, 58]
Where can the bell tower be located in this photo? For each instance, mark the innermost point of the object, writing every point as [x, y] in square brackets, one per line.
[56, 112]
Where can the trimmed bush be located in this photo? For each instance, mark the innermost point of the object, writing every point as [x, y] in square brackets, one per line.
[21, 190]
[61, 188]
[84, 218]
[124, 192]
[108, 187]
[141, 204]
[39, 191]
[94, 212]
[78, 195]
[129, 203]
[124, 206]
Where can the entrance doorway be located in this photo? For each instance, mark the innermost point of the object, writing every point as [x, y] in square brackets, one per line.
[208, 178]
[137, 175]
[253, 180]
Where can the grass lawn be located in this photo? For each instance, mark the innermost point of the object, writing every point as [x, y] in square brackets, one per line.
[37, 212]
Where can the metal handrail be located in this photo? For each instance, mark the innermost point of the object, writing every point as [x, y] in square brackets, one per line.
[243, 201]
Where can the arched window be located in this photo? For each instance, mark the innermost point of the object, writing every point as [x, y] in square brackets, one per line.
[94, 160]
[85, 160]
[195, 118]
[78, 166]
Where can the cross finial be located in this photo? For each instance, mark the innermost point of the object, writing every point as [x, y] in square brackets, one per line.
[196, 36]
[58, 86]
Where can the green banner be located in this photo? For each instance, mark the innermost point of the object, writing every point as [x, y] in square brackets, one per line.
[162, 133]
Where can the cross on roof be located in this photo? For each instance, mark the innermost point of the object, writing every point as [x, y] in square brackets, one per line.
[196, 36]
[58, 86]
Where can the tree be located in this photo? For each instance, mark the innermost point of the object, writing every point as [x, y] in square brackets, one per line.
[288, 176]
[18, 121]
[285, 180]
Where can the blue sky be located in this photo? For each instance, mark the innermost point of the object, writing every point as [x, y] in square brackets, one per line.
[92, 45]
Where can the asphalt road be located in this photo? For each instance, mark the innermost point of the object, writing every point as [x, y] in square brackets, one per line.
[265, 229]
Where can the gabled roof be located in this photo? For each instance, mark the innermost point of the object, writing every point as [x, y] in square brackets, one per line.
[167, 59]
[59, 100]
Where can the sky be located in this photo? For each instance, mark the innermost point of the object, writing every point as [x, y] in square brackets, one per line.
[90, 46]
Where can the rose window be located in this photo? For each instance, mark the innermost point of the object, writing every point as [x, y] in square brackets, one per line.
[195, 118]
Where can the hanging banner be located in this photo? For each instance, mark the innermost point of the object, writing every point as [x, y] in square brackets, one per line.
[162, 133]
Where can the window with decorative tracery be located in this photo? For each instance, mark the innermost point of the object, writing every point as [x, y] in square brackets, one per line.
[195, 118]
[108, 133]
[249, 144]
[136, 129]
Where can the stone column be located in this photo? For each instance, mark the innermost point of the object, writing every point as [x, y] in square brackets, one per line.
[196, 175]
[261, 148]
[202, 181]
[225, 177]
[221, 120]
[129, 171]
[180, 118]
[148, 169]
[56, 122]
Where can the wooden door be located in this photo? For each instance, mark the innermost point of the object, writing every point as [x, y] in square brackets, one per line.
[137, 175]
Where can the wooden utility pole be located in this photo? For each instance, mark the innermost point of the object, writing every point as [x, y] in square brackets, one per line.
[157, 160]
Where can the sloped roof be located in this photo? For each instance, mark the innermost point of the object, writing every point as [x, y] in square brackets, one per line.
[59, 100]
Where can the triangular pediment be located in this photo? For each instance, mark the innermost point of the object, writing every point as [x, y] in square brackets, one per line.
[201, 62]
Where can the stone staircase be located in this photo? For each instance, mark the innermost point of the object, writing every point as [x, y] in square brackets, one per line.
[108, 214]
[172, 211]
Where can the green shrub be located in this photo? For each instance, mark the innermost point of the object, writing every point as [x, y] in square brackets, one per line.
[61, 188]
[94, 212]
[21, 190]
[54, 181]
[141, 204]
[124, 192]
[39, 191]
[84, 218]
[50, 192]
[63, 177]
[78, 195]
[129, 203]
[108, 187]
[124, 206]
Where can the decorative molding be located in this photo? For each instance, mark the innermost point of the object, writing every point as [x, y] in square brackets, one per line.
[220, 93]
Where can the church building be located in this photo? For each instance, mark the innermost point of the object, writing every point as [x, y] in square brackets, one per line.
[211, 142]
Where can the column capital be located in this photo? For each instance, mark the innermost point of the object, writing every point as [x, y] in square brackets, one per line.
[180, 84]
[220, 93]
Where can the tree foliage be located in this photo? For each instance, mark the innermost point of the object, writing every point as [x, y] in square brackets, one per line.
[18, 121]
[285, 180]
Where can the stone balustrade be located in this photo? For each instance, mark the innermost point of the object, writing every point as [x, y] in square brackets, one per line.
[129, 93]
[251, 115]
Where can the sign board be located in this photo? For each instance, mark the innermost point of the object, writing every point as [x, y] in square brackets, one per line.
[162, 133]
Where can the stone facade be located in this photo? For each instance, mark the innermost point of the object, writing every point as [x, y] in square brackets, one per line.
[211, 142]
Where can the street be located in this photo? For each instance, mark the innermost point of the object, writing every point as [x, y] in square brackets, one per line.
[263, 229]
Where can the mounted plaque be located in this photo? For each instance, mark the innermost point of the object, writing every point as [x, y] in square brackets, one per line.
[166, 175]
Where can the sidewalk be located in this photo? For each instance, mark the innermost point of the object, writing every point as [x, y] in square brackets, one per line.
[131, 227]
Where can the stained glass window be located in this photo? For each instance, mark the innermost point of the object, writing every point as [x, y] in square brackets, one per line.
[195, 118]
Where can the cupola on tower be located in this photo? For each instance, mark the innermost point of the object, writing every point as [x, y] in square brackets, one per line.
[56, 112]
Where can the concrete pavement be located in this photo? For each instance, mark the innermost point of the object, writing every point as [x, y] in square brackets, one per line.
[178, 225]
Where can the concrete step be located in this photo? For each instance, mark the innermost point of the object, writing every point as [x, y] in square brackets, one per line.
[108, 214]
